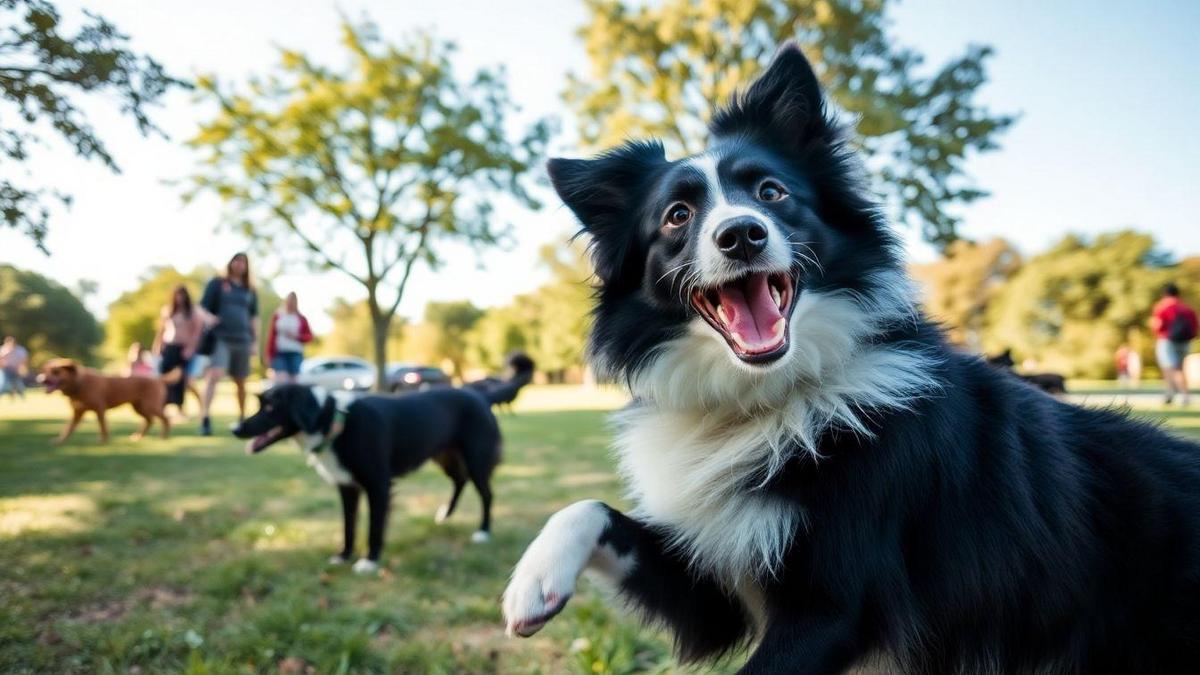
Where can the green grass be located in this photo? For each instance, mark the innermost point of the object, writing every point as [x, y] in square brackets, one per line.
[187, 555]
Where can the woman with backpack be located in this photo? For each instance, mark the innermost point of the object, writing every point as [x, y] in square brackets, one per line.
[1175, 325]
[230, 342]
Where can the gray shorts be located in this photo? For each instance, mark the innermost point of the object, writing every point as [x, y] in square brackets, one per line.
[1170, 354]
[232, 357]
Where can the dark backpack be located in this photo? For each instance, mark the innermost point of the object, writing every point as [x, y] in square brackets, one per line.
[1183, 326]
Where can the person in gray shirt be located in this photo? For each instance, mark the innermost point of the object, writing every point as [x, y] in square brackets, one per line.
[234, 336]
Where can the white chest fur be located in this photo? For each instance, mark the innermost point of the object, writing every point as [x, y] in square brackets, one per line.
[325, 462]
[329, 468]
[698, 477]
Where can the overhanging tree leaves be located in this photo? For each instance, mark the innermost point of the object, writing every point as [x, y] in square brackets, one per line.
[658, 68]
[42, 71]
[371, 167]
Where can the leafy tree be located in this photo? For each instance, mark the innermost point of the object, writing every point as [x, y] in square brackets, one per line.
[563, 309]
[657, 68]
[1072, 306]
[352, 335]
[45, 317]
[498, 333]
[959, 287]
[444, 332]
[134, 315]
[42, 73]
[551, 323]
[369, 167]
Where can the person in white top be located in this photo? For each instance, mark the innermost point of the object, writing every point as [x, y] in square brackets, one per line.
[286, 339]
[14, 363]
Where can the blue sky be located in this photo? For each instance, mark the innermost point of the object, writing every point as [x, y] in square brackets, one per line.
[1108, 95]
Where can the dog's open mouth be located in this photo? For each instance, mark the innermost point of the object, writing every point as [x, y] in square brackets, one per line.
[261, 441]
[751, 313]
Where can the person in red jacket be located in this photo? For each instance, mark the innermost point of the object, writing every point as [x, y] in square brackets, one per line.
[286, 338]
[1175, 325]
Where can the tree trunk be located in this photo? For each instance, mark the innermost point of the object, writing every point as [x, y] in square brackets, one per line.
[380, 323]
[380, 338]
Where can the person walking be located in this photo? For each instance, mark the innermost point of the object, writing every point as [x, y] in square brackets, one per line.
[1175, 326]
[232, 300]
[14, 364]
[286, 337]
[178, 335]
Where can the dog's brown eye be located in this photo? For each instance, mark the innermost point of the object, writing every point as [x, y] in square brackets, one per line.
[678, 215]
[770, 191]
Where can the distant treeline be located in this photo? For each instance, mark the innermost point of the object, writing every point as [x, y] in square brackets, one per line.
[1066, 309]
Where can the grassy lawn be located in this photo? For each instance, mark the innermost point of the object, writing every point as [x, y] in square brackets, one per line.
[188, 555]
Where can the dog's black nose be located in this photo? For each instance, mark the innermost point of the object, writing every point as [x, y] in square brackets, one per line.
[741, 238]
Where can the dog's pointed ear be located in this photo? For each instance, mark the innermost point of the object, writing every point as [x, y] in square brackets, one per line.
[603, 193]
[785, 101]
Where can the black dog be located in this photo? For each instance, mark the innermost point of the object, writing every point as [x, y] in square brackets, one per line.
[1051, 383]
[361, 444]
[814, 468]
[502, 392]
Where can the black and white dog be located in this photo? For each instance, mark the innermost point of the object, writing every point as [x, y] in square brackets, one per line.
[360, 443]
[815, 471]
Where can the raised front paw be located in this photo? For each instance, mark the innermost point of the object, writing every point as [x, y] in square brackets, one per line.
[545, 577]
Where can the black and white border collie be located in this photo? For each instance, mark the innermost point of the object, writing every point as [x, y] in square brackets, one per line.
[815, 472]
[359, 443]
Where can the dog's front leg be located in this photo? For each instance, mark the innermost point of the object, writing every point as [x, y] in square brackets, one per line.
[378, 498]
[103, 425]
[350, 496]
[592, 535]
[76, 415]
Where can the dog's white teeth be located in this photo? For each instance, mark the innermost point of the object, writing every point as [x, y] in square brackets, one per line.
[739, 341]
[776, 295]
[777, 329]
[721, 313]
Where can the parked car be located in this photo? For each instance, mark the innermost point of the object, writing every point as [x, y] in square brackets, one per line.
[338, 372]
[410, 377]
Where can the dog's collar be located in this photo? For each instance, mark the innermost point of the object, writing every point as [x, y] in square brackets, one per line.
[335, 429]
[337, 423]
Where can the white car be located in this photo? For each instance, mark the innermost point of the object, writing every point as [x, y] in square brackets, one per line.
[338, 372]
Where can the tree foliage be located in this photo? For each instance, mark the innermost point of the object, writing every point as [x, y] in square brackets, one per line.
[441, 336]
[550, 323]
[369, 167]
[657, 69]
[352, 331]
[1072, 306]
[43, 72]
[958, 288]
[45, 317]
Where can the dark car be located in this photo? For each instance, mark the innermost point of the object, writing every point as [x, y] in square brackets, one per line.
[409, 377]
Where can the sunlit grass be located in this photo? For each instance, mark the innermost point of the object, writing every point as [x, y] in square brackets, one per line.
[188, 555]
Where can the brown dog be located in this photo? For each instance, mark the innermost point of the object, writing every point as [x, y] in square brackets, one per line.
[97, 392]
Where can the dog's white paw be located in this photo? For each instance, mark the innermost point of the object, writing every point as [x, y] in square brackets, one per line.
[442, 514]
[545, 577]
[364, 566]
[337, 560]
[481, 537]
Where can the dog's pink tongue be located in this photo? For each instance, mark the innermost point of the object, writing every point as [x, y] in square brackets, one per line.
[752, 312]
